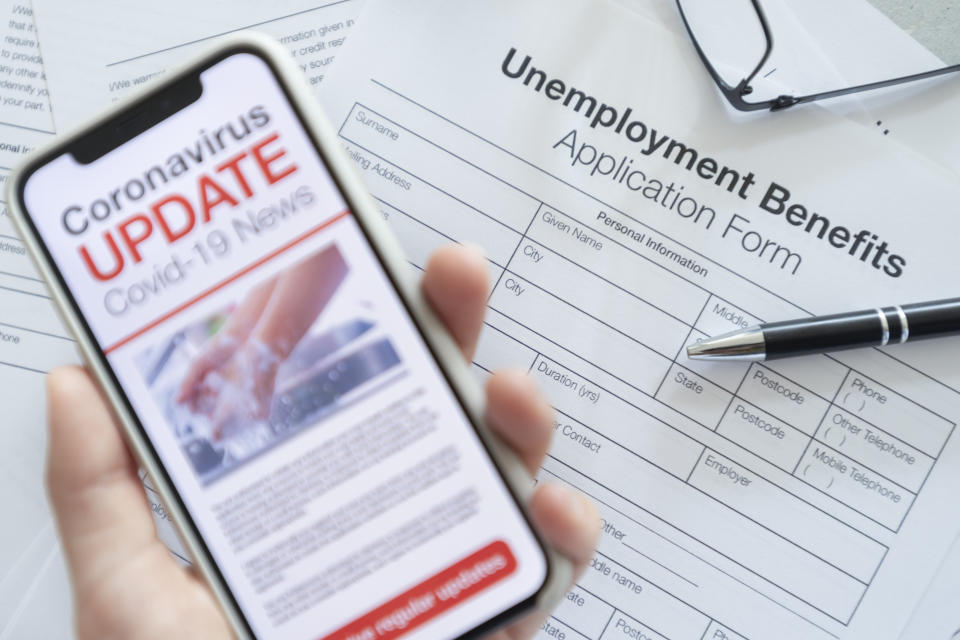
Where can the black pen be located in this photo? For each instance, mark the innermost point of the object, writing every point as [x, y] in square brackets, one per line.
[870, 328]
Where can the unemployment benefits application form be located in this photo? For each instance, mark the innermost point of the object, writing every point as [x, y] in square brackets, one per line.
[624, 214]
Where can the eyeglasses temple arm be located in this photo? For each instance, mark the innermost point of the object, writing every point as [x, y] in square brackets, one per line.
[768, 34]
[783, 102]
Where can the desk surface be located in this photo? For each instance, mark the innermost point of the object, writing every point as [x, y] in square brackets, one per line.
[931, 22]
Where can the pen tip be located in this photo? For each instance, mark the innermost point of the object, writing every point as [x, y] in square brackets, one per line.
[747, 344]
[696, 350]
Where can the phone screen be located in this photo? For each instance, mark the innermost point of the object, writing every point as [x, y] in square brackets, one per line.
[324, 460]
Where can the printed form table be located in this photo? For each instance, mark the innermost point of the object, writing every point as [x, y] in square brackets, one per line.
[779, 482]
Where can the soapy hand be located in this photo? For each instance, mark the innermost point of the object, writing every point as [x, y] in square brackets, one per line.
[242, 389]
[233, 378]
[194, 393]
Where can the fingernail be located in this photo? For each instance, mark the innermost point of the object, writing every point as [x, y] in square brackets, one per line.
[579, 507]
[569, 501]
[476, 247]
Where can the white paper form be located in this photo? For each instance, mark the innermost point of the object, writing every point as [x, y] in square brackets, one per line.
[125, 44]
[32, 341]
[803, 499]
[44, 610]
[936, 618]
[916, 115]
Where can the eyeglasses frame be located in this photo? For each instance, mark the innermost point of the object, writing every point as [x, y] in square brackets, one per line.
[735, 94]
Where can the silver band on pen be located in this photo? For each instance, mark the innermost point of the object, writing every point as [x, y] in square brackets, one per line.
[904, 325]
[886, 327]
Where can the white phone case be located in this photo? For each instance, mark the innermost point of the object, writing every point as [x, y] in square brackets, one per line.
[448, 354]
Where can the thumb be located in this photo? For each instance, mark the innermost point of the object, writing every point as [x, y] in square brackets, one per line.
[97, 497]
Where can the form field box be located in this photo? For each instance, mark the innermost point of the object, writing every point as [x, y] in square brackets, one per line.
[14, 259]
[639, 599]
[717, 631]
[420, 241]
[618, 424]
[757, 431]
[622, 627]
[755, 547]
[694, 396]
[625, 268]
[818, 373]
[875, 449]
[445, 217]
[894, 414]
[418, 157]
[781, 397]
[495, 351]
[616, 353]
[719, 317]
[553, 628]
[855, 485]
[35, 351]
[35, 312]
[580, 288]
[769, 506]
[587, 612]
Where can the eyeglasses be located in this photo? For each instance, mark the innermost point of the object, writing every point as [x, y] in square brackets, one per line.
[733, 36]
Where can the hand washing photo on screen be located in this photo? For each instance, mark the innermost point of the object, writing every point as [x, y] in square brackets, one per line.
[296, 348]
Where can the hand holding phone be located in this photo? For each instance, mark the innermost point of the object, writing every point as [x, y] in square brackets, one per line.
[127, 584]
[317, 437]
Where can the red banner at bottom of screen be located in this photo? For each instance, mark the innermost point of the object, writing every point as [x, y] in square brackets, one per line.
[447, 589]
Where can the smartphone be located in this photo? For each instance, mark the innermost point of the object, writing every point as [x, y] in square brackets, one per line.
[315, 433]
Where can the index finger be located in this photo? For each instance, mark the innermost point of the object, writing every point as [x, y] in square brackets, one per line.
[456, 285]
